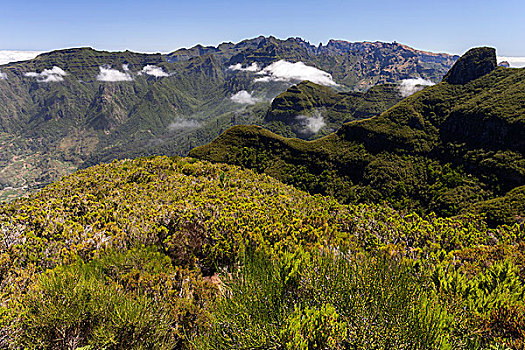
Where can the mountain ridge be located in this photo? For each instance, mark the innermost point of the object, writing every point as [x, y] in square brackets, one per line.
[417, 154]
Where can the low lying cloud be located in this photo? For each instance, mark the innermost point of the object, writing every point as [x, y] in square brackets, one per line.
[287, 71]
[8, 56]
[54, 74]
[515, 62]
[254, 67]
[155, 71]
[311, 124]
[245, 98]
[3, 76]
[408, 87]
[110, 74]
[183, 124]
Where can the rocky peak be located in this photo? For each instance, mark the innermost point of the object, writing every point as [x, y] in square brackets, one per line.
[474, 64]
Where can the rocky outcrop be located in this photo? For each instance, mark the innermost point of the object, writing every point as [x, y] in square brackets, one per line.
[474, 64]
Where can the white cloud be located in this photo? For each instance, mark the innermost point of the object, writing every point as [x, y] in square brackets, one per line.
[408, 87]
[287, 71]
[110, 74]
[254, 67]
[3, 76]
[515, 62]
[154, 71]
[54, 74]
[7, 56]
[312, 124]
[244, 97]
[183, 124]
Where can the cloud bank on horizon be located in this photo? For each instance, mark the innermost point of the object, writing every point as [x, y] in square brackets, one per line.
[8, 56]
[515, 62]
[54, 74]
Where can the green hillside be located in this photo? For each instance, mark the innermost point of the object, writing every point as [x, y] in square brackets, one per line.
[174, 253]
[441, 149]
[72, 108]
[291, 111]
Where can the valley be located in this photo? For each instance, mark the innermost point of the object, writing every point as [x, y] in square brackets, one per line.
[81, 107]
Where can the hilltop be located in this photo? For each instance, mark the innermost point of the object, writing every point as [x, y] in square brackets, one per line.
[308, 110]
[442, 149]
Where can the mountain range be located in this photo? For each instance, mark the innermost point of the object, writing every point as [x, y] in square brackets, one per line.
[73, 108]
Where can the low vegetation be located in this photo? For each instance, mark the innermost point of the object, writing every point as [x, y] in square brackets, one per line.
[177, 253]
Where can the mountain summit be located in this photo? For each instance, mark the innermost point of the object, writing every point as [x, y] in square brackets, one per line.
[474, 64]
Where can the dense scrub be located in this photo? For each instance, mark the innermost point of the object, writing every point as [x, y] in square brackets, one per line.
[139, 254]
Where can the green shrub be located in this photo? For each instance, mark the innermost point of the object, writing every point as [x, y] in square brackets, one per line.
[324, 300]
[311, 328]
[129, 300]
[73, 307]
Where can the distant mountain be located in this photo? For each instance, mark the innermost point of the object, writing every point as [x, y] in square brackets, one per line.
[358, 65]
[77, 107]
[442, 149]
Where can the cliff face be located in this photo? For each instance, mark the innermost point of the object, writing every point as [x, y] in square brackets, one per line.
[472, 65]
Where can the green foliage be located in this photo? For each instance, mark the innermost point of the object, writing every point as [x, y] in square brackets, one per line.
[73, 307]
[159, 229]
[309, 329]
[490, 302]
[130, 300]
[502, 210]
[339, 302]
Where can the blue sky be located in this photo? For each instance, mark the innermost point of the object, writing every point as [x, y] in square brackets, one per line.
[160, 25]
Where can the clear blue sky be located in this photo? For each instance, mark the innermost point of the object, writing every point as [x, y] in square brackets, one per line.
[165, 25]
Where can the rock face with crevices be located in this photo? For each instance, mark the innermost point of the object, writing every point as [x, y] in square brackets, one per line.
[472, 65]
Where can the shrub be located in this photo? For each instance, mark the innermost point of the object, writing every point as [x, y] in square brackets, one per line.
[129, 300]
[332, 301]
